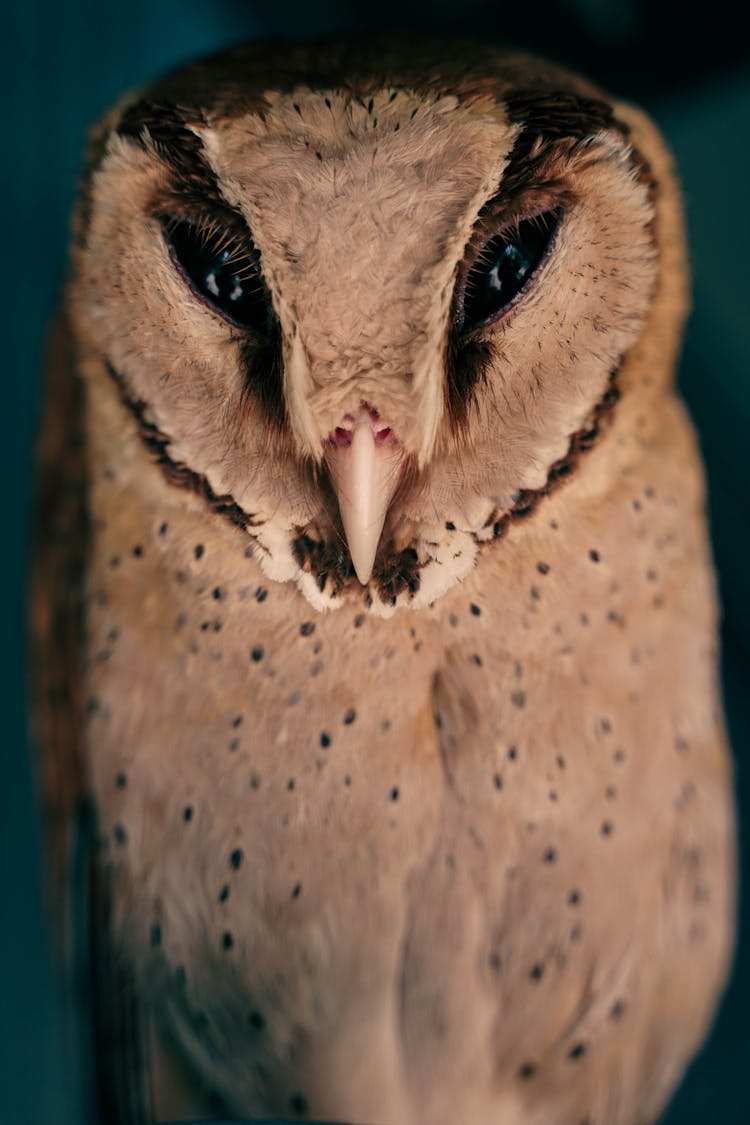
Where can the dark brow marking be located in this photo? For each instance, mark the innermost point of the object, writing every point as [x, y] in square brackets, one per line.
[163, 127]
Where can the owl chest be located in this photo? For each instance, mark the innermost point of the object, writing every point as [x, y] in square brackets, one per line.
[327, 821]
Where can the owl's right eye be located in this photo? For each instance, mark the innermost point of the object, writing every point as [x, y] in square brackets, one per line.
[222, 270]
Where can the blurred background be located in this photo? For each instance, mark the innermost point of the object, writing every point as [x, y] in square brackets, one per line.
[62, 64]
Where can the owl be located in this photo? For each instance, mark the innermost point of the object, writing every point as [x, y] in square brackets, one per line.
[374, 619]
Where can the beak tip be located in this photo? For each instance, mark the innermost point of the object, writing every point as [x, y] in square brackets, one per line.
[363, 565]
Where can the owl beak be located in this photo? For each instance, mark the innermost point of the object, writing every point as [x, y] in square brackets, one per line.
[364, 461]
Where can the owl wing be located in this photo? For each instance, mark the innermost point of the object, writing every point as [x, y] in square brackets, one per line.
[103, 1028]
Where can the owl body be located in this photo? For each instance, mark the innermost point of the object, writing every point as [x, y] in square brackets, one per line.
[452, 839]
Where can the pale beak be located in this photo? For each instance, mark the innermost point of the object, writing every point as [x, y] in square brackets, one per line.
[364, 460]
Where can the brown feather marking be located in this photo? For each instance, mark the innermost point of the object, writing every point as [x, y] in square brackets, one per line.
[327, 558]
[398, 573]
[164, 126]
[263, 363]
[175, 472]
[561, 471]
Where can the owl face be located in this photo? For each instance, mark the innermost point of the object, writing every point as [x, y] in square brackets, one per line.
[366, 319]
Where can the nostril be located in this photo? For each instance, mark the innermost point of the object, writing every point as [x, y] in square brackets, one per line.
[341, 436]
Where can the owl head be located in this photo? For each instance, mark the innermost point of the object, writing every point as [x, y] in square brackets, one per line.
[373, 304]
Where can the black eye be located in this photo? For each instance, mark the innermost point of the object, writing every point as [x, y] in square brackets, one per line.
[222, 269]
[503, 267]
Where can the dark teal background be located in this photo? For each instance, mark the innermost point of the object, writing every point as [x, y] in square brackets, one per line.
[61, 64]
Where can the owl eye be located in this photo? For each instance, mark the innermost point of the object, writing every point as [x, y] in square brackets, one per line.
[504, 266]
[221, 270]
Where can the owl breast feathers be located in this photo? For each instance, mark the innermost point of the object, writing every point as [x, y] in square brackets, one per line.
[373, 609]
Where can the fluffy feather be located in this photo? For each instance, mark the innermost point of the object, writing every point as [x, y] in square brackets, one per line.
[461, 849]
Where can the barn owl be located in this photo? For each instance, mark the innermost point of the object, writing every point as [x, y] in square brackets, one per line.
[374, 617]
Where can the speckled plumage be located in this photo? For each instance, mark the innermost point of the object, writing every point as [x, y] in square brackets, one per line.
[457, 845]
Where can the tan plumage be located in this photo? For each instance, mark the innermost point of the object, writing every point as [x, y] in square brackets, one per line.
[455, 844]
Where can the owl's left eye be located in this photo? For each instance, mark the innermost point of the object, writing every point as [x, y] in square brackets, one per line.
[504, 267]
[222, 270]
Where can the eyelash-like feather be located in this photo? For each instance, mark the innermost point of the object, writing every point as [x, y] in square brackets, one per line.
[220, 265]
[217, 236]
